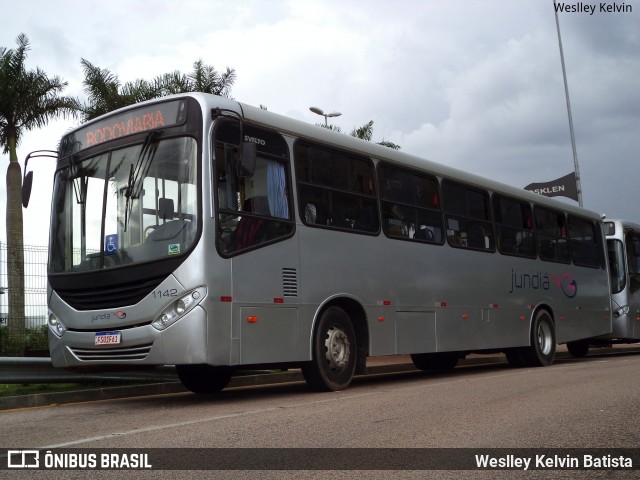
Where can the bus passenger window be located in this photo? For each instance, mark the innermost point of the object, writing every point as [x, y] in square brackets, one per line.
[514, 229]
[468, 217]
[410, 205]
[584, 243]
[617, 268]
[551, 235]
[335, 189]
[632, 241]
[252, 211]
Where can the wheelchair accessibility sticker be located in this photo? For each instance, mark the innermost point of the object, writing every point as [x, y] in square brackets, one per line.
[111, 244]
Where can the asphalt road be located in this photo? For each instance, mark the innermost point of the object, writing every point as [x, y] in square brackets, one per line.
[587, 403]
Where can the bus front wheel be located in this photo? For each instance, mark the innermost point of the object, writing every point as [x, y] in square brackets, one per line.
[333, 352]
[204, 378]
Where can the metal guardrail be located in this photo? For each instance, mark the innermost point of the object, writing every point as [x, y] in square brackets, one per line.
[24, 370]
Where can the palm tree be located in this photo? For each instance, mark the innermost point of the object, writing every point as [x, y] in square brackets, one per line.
[106, 93]
[28, 100]
[204, 78]
[365, 132]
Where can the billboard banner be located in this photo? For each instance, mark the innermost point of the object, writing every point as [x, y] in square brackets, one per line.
[563, 186]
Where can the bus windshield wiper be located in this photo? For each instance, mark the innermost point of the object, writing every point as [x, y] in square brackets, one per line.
[138, 172]
[79, 181]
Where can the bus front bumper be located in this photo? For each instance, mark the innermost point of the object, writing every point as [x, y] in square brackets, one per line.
[184, 342]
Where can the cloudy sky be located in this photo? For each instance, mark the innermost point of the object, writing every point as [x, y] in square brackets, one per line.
[473, 84]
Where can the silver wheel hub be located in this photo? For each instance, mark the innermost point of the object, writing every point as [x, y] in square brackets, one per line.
[544, 338]
[337, 348]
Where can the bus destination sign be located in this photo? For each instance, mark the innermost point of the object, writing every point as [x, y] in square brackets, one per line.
[130, 122]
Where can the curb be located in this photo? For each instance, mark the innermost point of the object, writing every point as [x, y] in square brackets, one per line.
[384, 366]
[241, 380]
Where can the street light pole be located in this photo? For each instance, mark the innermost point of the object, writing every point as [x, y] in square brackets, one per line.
[319, 111]
[566, 94]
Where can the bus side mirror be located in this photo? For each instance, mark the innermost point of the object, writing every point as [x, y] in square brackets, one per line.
[27, 178]
[27, 183]
[247, 159]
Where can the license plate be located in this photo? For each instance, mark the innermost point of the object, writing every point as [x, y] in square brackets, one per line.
[108, 338]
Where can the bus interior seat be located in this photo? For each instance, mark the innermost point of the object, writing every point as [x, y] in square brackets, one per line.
[424, 234]
[366, 220]
[476, 237]
[166, 209]
[339, 219]
[258, 204]
[171, 228]
[311, 213]
[251, 230]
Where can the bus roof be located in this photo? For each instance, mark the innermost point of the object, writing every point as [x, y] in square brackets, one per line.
[625, 224]
[300, 129]
[312, 132]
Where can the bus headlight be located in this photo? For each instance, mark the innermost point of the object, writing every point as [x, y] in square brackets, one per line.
[621, 311]
[56, 325]
[179, 308]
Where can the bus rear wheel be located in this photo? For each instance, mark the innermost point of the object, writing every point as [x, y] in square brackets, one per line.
[542, 350]
[334, 350]
[204, 378]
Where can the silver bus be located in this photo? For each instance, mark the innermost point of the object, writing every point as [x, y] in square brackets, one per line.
[623, 246]
[204, 233]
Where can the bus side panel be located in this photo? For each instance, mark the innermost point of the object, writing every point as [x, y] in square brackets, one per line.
[265, 305]
[582, 303]
[415, 331]
[268, 334]
[337, 264]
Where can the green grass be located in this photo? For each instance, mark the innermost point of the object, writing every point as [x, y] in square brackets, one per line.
[9, 390]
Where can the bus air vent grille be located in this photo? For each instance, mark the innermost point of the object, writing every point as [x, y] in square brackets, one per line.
[121, 295]
[139, 352]
[290, 282]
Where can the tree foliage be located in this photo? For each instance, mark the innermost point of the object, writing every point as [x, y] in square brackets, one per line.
[106, 93]
[365, 132]
[29, 99]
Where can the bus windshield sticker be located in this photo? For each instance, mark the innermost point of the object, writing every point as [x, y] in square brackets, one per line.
[174, 249]
[111, 244]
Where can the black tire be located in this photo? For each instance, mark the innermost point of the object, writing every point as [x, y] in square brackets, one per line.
[542, 350]
[440, 362]
[204, 378]
[334, 352]
[579, 348]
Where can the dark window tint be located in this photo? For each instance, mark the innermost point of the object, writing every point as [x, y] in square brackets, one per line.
[514, 227]
[551, 235]
[255, 210]
[585, 242]
[467, 217]
[335, 189]
[410, 205]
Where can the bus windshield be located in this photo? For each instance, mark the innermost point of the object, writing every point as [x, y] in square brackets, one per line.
[617, 270]
[124, 206]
